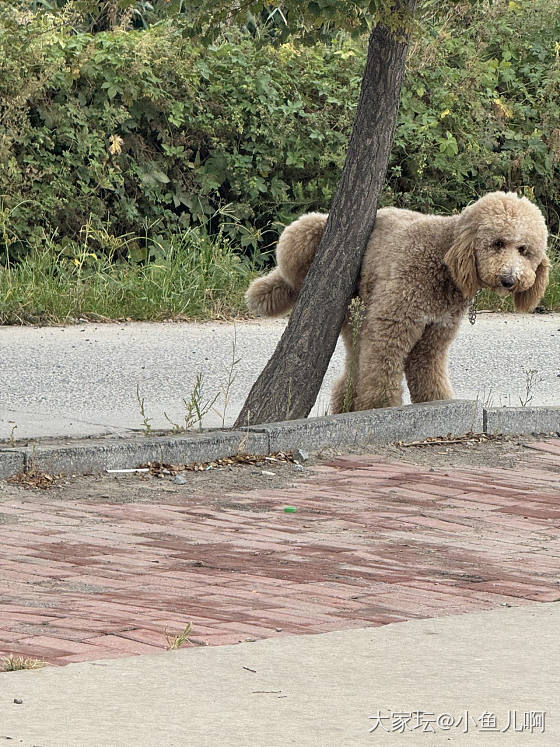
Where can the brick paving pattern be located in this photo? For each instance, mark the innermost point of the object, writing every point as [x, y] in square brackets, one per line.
[371, 543]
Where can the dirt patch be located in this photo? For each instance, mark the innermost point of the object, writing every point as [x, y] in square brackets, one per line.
[506, 452]
[161, 483]
[223, 479]
[34, 478]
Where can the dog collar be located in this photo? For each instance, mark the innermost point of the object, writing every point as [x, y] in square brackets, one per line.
[472, 307]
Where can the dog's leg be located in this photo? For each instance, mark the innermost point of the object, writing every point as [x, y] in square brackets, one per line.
[385, 342]
[426, 365]
[337, 394]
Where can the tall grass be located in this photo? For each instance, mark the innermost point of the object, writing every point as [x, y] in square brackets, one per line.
[193, 276]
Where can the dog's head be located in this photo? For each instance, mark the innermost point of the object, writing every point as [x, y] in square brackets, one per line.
[500, 243]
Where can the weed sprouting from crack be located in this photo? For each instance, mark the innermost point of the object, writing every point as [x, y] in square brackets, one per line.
[196, 407]
[12, 432]
[176, 641]
[532, 379]
[176, 428]
[486, 398]
[16, 663]
[231, 377]
[146, 420]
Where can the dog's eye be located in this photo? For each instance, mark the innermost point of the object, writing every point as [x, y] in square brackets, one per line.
[523, 250]
[498, 244]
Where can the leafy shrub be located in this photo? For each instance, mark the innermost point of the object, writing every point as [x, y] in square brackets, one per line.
[143, 132]
[481, 110]
[146, 133]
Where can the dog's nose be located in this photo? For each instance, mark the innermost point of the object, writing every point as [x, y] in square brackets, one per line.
[507, 281]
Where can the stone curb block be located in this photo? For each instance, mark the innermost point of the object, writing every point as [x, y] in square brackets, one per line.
[12, 461]
[385, 425]
[521, 420]
[97, 456]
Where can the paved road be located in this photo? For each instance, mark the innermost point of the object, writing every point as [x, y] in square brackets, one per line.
[82, 380]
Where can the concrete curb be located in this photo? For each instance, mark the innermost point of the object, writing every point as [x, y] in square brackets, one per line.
[12, 461]
[98, 455]
[514, 420]
[387, 425]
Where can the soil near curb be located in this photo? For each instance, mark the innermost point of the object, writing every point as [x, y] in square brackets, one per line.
[265, 473]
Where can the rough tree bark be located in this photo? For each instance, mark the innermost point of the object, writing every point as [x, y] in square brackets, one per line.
[288, 385]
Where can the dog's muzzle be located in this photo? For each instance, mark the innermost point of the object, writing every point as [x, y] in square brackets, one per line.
[507, 281]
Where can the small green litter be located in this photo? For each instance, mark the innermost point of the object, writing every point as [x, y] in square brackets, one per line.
[290, 509]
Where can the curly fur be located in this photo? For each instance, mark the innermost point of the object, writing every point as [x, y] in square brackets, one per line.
[418, 276]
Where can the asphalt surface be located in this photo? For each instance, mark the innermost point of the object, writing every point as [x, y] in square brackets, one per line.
[83, 380]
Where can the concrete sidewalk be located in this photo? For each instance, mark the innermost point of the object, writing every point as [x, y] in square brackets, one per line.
[478, 679]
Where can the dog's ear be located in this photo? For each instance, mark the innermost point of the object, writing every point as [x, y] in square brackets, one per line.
[460, 259]
[528, 299]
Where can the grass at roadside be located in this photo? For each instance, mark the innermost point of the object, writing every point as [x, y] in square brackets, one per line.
[194, 277]
[13, 663]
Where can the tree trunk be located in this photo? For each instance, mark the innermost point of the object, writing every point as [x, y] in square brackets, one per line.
[288, 386]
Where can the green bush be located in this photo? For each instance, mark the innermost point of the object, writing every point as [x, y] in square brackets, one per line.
[146, 133]
[481, 110]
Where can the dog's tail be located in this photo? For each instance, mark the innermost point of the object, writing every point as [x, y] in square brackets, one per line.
[275, 293]
[270, 295]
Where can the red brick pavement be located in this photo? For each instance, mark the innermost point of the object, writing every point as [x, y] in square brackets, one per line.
[371, 543]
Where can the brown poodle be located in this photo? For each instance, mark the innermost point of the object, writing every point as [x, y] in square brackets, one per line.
[419, 274]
